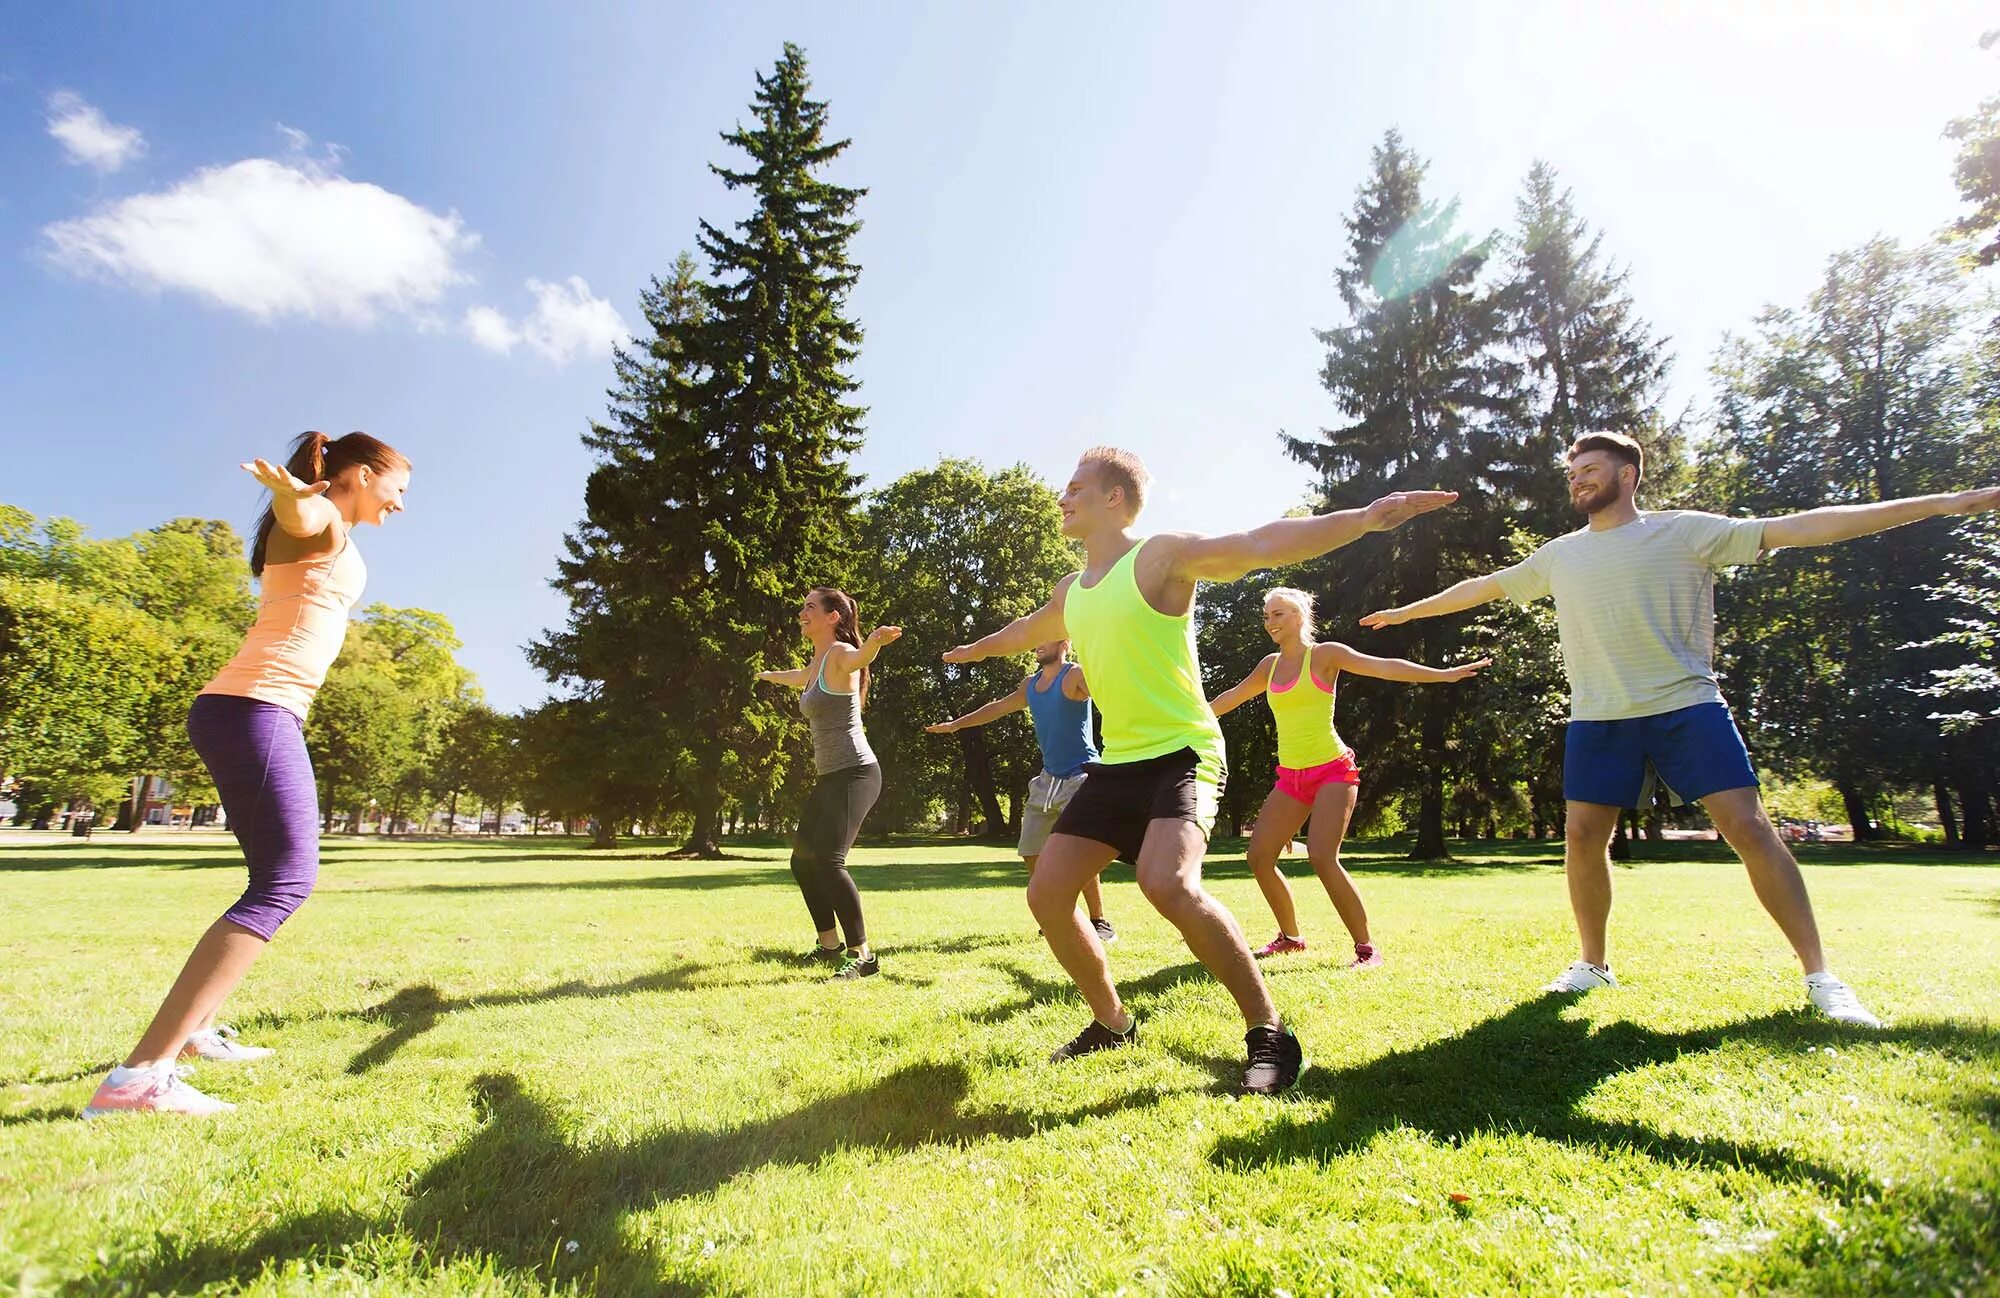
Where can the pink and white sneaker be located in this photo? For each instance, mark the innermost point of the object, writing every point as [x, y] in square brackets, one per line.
[151, 1090]
[1280, 945]
[218, 1045]
[1366, 956]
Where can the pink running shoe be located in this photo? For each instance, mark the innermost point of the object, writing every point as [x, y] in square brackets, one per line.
[151, 1090]
[1280, 945]
[1365, 957]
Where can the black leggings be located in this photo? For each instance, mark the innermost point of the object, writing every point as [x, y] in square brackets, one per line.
[832, 816]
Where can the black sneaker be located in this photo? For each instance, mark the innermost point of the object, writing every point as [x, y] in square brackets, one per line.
[853, 966]
[1105, 933]
[1275, 1060]
[823, 954]
[1094, 1038]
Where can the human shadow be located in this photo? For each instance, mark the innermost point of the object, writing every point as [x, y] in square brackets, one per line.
[1032, 990]
[1530, 1070]
[516, 1192]
[416, 1009]
[37, 1117]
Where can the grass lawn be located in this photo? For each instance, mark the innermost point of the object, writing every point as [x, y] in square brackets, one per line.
[507, 1067]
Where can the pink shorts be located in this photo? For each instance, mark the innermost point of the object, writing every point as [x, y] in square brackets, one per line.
[1305, 785]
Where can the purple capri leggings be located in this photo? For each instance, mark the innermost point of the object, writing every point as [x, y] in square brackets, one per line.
[256, 754]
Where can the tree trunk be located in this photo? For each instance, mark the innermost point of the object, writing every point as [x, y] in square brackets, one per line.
[703, 840]
[1430, 802]
[1946, 821]
[1621, 846]
[1978, 810]
[1857, 811]
[979, 772]
[131, 812]
[603, 832]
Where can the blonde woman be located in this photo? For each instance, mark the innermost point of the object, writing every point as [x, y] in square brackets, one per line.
[1317, 774]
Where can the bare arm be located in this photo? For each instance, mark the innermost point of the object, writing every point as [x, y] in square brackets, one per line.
[797, 678]
[1244, 690]
[1470, 593]
[1294, 540]
[1020, 635]
[845, 659]
[1348, 660]
[986, 712]
[300, 510]
[1845, 522]
[1075, 687]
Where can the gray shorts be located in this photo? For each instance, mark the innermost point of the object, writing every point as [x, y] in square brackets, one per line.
[1047, 796]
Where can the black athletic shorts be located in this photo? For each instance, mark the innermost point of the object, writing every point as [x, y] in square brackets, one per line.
[1117, 802]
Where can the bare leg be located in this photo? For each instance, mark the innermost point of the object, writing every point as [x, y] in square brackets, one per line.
[1276, 824]
[1774, 874]
[219, 961]
[1093, 893]
[1065, 863]
[1170, 876]
[1333, 807]
[1587, 863]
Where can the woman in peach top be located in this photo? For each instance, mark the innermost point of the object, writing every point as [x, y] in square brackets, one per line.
[248, 725]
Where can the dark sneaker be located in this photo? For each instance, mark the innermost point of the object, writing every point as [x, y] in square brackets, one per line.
[1275, 1060]
[1094, 1038]
[818, 954]
[853, 966]
[1105, 933]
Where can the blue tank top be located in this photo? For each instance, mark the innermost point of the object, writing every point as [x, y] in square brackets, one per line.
[1062, 726]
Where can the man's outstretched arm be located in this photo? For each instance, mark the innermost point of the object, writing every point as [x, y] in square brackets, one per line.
[1470, 593]
[1020, 635]
[1294, 540]
[1833, 523]
[979, 716]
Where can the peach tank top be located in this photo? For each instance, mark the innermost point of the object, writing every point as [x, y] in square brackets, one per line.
[301, 621]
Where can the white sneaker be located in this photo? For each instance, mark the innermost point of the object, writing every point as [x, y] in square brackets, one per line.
[219, 1045]
[1582, 976]
[1837, 1001]
[152, 1090]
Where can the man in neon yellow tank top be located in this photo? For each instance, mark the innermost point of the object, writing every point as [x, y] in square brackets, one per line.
[1152, 800]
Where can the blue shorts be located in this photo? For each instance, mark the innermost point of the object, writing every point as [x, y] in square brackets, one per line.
[1693, 751]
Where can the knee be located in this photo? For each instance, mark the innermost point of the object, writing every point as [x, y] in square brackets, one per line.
[1046, 898]
[1170, 894]
[1262, 860]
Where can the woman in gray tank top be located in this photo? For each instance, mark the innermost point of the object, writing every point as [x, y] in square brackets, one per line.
[833, 687]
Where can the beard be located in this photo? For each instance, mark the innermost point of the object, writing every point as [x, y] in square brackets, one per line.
[1590, 502]
[1047, 659]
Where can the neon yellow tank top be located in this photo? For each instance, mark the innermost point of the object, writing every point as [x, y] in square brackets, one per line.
[1304, 713]
[1143, 670]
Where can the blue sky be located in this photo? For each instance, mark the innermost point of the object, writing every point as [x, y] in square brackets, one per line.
[1085, 223]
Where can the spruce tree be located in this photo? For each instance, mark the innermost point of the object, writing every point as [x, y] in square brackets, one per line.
[1431, 402]
[1592, 365]
[722, 492]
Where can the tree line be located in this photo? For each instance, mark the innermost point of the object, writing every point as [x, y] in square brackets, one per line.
[723, 489]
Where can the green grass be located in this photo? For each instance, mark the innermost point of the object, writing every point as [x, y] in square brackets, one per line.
[489, 1050]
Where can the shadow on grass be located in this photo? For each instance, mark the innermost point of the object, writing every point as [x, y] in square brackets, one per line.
[1528, 1071]
[516, 1191]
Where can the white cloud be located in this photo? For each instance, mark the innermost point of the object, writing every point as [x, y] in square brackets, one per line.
[273, 239]
[491, 330]
[88, 138]
[568, 321]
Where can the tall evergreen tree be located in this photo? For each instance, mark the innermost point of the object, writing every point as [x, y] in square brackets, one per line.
[1592, 365]
[621, 648]
[725, 463]
[1432, 402]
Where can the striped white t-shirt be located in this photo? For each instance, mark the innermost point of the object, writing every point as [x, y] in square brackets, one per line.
[1635, 606]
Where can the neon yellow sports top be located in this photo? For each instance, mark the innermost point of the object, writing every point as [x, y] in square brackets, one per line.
[1143, 671]
[1304, 713]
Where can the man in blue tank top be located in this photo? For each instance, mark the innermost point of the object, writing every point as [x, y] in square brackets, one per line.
[1058, 702]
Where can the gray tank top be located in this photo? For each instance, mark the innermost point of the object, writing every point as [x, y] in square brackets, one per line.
[835, 719]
